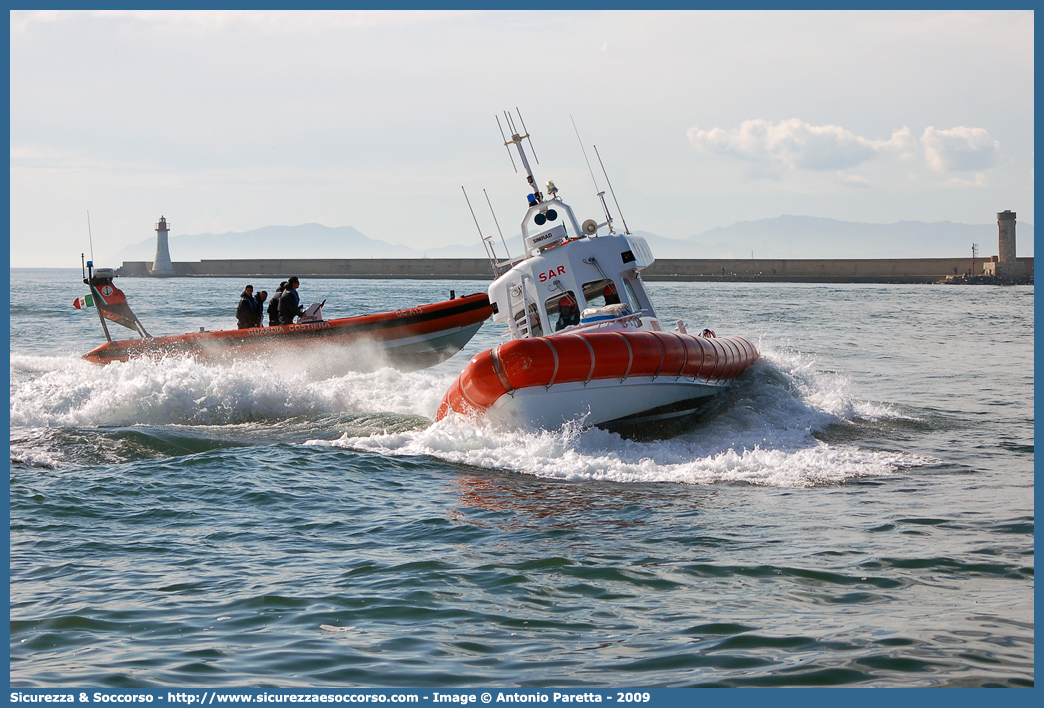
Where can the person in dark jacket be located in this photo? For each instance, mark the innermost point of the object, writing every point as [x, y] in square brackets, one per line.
[273, 306]
[246, 313]
[290, 302]
[568, 312]
[260, 299]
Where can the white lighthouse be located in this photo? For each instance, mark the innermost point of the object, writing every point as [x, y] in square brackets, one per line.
[161, 264]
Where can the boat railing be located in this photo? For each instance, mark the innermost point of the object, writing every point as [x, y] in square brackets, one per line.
[624, 320]
[519, 329]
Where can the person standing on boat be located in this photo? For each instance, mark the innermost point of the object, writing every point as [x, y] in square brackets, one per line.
[290, 302]
[247, 312]
[260, 299]
[273, 306]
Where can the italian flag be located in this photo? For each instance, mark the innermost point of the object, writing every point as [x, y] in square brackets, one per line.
[82, 302]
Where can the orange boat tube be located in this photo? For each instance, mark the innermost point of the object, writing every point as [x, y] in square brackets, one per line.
[626, 373]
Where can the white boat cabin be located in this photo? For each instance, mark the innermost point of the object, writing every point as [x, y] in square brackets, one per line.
[572, 278]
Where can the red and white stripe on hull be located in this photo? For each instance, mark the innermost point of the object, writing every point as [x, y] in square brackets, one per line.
[412, 337]
[601, 376]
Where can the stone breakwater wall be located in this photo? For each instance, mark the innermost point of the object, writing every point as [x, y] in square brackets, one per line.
[794, 270]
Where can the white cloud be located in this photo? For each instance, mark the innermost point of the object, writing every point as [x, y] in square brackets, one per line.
[852, 180]
[795, 144]
[770, 149]
[959, 149]
[979, 181]
[901, 145]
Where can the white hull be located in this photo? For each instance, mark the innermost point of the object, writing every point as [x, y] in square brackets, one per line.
[600, 402]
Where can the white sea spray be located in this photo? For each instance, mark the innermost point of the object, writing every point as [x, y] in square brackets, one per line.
[764, 435]
[180, 390]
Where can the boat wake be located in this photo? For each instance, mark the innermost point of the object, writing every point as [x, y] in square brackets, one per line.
[59, 391]
[771, 427]
[765, 430]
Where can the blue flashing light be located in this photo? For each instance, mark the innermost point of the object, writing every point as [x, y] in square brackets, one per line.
[532, 199]
[90, 264]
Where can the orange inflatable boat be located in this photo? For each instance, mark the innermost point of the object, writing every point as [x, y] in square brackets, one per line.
[410, 338]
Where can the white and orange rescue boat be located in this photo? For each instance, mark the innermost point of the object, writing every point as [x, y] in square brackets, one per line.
[586, 341]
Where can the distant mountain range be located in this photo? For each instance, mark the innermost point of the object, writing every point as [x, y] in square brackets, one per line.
[780, 237]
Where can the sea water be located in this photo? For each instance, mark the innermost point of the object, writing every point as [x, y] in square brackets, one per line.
[856, 509]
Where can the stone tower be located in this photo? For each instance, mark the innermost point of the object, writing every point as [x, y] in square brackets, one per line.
[161, 264]
[1006, 236]
[1005, 265]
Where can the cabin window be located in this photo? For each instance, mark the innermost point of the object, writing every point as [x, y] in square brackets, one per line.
[562, 311]
[534, 321]
[632, 297]
[599, 293]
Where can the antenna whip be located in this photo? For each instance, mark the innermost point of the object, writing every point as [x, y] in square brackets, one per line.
[505, 143]
[89, 235]
[490, 253]
[626, 230]
[585, 152]
[527, 135]
[495, 222]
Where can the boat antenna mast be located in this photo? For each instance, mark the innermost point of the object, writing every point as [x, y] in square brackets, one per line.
[95, 295]
[90, 236]
[494, 214]
[600, 193]
[516, 140]
[626, 230]
[487, 241]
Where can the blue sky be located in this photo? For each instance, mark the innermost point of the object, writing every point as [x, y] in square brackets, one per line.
[229, 121]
